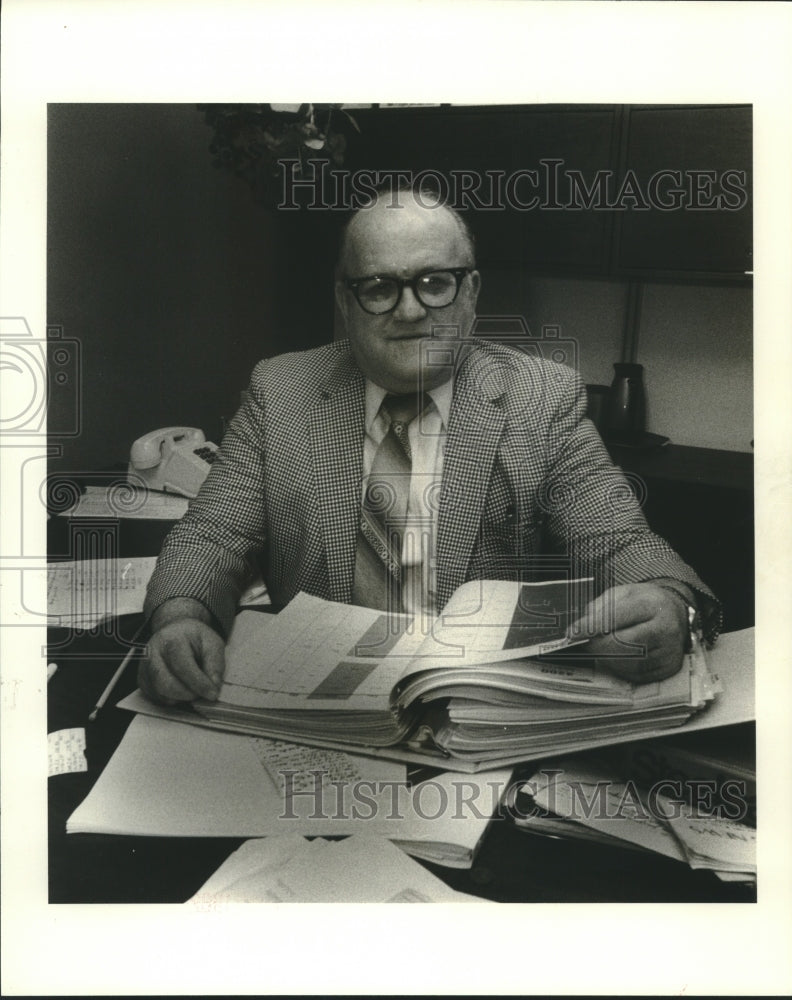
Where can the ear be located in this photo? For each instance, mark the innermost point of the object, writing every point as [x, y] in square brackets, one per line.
[475, 286]
[342, 301]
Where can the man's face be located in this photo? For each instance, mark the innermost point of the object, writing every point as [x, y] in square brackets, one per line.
[393, 349]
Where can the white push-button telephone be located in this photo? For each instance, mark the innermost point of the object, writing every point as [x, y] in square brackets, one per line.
[173, 459]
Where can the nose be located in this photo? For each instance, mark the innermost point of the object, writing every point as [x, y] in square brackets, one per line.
[409, 308]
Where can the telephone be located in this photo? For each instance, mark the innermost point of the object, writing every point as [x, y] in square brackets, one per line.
[173, 459]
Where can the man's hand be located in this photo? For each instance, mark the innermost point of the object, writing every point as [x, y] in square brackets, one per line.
[639, 631]
[185, 656]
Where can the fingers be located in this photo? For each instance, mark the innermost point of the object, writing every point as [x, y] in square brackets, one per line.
[644, 671]
[617, 644]
[185, 660]
[213, 649]
[638, 654]
[616, 608]
[636, 631]
[158, 684]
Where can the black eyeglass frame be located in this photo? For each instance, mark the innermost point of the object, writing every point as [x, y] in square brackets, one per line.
[459, 273]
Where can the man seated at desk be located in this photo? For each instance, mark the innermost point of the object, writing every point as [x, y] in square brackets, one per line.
[484, 453]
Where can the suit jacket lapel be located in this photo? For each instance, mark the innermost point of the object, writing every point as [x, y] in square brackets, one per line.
[337, 419]
[475, 427]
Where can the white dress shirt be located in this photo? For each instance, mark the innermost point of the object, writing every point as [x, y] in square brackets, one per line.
[427, 435]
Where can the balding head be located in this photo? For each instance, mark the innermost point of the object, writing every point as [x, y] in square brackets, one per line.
[398, 201]
[398, 348]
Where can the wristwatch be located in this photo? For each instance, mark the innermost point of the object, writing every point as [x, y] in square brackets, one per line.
[694, 625]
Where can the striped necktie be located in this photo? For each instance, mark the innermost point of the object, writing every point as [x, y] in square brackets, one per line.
[377, 582]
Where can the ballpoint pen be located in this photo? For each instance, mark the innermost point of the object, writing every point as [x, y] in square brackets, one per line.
[133, 649]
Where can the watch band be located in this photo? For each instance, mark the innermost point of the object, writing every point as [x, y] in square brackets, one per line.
[694, 625]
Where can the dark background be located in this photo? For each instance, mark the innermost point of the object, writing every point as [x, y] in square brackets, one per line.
[168, 280]
[175, 281]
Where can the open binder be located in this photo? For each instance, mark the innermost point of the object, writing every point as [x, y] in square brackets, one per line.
[495, 699]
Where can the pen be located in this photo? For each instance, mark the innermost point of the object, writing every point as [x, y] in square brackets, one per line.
[116, 677]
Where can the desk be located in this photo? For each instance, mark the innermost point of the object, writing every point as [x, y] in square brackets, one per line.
[512, 866]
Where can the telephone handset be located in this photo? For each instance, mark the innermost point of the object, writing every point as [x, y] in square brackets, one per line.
[173, 459]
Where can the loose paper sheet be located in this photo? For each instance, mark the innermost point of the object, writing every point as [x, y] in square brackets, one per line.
[712, 842]
[319, 655]
[83, 593]
[66, 751]
[290, 869]
[128, 503]
[598, 800]
[215, 785]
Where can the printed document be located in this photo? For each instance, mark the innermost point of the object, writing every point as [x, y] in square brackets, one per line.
[291, 869]
[83, 593]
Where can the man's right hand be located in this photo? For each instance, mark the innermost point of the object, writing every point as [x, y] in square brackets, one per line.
[185, 656]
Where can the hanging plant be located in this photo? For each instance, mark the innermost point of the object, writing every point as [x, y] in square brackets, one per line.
[259, 141]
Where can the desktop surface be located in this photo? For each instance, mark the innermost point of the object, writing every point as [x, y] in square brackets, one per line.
[512, 865]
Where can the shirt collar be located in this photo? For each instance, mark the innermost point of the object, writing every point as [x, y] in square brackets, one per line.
[441, 397]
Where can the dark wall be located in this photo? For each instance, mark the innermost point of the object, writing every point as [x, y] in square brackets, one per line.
[174, 281]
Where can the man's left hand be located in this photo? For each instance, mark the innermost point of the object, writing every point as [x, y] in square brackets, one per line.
[638, 631]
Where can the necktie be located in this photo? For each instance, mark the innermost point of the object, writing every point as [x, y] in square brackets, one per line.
[377, 582]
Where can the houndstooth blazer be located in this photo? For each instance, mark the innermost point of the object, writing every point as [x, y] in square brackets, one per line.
[527, 487]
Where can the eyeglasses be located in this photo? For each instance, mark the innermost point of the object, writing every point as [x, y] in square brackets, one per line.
[380, 294]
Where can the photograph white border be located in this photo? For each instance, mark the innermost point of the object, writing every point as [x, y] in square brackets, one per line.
[476, 52]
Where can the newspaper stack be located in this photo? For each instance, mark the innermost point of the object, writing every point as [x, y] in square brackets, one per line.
[582, 798]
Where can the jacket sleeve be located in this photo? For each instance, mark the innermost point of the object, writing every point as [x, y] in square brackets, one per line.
[213, 552]
[593, 510]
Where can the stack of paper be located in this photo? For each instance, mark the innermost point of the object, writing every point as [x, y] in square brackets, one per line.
[729, 665]
[168, 779]
[331, 673]
[715, 843]
[582, 702]
[127, 502]
[323, 671]
[582, 798]
[724, 759]
[291, 869]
